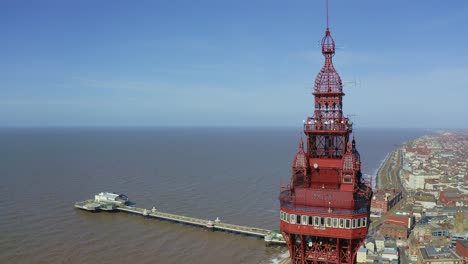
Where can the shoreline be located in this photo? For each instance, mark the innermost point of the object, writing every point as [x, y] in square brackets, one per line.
[377, 171]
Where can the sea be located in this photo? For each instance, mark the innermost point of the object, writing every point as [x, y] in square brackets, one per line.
[230, 173]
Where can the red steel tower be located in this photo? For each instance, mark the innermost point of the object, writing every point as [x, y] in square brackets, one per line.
[325, 208]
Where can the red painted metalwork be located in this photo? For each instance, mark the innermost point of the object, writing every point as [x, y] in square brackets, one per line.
[325, 208]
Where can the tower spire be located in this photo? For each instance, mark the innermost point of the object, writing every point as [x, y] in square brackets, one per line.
[325, 209]
[327, 16]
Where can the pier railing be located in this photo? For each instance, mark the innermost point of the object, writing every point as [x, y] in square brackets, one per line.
[215, 225]
[209, 224]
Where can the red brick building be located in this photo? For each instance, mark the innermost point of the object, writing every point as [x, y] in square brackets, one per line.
[395, 231]
[461, 249]
[397, 226]
[402, 220]
[451, 197]
[383, 200]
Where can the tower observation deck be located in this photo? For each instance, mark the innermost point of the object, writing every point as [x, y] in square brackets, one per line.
[324, 210]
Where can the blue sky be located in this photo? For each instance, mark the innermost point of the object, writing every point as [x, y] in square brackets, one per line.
[230, 63]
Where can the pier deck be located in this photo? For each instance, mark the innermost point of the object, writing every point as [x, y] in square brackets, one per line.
[270, 237]
[245, 230]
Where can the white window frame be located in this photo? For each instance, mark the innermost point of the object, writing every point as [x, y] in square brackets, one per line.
[293, 219]
[341, 223]
[305, 219]
[328, 221]
[364, 222]
[316, 221]
[348, 223]
[336, 222]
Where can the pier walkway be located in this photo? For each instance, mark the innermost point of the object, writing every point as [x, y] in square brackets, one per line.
[101, 204]
[215, 225]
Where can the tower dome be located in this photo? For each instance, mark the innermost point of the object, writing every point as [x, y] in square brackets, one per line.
[328, 43]
[328, 80]
[300, 162]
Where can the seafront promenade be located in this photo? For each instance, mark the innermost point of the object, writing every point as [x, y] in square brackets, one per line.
[388, 174]
[388, 177]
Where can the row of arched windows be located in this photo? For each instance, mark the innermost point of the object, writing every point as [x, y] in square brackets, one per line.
[327, 106]
[323, 222]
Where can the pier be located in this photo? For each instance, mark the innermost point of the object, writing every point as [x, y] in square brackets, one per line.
[98, 204]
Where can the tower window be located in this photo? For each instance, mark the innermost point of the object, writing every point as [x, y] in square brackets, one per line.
[359, 222]
[341, 223]
[311, 222]
[354, 223]
[348, 223]
[316, 221]
[293, 219]
[304, 219]
[335, 222]
[364, 222]
[329, 222]
[298, 219]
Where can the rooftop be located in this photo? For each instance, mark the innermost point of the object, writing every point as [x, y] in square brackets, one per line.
[431, 252]
[464, 242]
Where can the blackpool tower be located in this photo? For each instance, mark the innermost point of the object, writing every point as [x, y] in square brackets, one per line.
[324, 210]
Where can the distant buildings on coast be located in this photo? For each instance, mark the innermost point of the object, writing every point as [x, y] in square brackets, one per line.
[421, 215]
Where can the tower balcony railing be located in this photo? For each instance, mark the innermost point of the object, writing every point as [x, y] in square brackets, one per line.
[328, 125]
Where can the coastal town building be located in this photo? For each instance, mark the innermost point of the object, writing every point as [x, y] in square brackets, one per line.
[426, 200]
[383, 200]
[370, 246]
[461, 248]
[438, 230]
[361, 256]
[461, 221]
[379, 243]
[417, 180]
[453, 197]
[437, 255]
[394, 231]
[390, 254]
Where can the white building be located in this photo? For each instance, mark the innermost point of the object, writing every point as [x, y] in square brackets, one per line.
[370, 247]
[107, 197]
[361, 256]
[390, 254]
[379, 244]
[418, 179]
